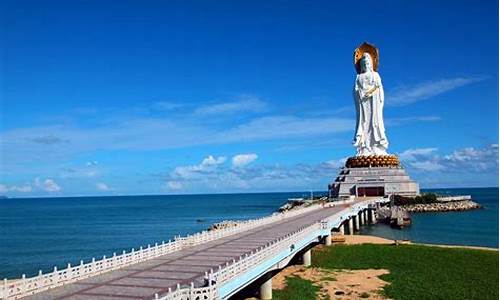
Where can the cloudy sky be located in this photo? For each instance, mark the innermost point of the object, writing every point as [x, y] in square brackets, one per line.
[168, 97]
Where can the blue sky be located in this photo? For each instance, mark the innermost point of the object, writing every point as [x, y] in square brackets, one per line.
[161, 97]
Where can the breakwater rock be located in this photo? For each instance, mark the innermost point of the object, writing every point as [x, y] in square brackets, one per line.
[295, 203]
[223, 225]
[446, 206]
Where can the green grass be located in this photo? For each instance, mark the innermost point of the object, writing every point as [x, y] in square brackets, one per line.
[417, 272]
[296, 289]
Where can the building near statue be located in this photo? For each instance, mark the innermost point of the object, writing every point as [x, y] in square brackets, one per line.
[372, 172]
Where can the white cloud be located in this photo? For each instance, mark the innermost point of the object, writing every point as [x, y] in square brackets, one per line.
[427, 165]
[102, 187]
[21, 189]
[413, 154]
[465, 160]
[244, 104]
[92, 163]
[335, 163]
[174, 185]
[212, 161]
[407, 120]
[279, 127]
[207, 165]
[241, 160]
[405, 95]
[49, 185]
[221, 177]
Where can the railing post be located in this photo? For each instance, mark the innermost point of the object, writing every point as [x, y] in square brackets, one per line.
[93, 268]
[4, 289]
[56, 277]
[68, 274]
[191, 291]
[23, 286]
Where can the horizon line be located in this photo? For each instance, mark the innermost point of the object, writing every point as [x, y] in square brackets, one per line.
[215, 193]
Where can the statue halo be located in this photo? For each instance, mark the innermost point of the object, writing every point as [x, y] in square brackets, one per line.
[366, 48]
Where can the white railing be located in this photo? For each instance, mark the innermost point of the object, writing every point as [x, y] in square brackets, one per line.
[232, 270]
[191, 293]
[252, 260]
[14, 289]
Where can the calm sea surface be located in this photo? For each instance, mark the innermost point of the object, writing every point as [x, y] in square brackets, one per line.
[39, 233]
[474, 227]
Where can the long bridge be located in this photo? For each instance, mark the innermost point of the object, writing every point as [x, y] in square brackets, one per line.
[208, 265]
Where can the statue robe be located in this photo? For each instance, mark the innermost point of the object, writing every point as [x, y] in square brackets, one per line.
[370, 138]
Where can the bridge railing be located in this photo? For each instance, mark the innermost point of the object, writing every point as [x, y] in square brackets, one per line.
[14, 289]
[245, 263]
[232, 270]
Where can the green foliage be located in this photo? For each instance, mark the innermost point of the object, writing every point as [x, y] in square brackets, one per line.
[296, 289]
[426, 198]
[421, 272]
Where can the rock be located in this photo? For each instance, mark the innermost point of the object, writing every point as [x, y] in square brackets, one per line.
[223, 225]
[442, 207]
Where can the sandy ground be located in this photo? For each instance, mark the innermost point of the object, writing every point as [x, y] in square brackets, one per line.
[337, 284]
[366, 239]
[347, 284]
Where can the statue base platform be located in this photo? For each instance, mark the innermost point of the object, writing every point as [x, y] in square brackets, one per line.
[370, 181]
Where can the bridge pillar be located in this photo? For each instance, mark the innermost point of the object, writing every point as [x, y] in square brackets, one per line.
[328, 240]
[342, 229]
[266, 289]
[306, 258]
[351, 225]
[372, 216]
[365, 216]
[361, 218]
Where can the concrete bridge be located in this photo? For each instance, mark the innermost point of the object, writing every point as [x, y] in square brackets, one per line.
[208, 265]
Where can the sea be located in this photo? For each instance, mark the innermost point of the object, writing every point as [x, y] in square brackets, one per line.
[40, 233]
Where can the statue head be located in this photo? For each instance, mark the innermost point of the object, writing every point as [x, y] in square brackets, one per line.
[366, 63]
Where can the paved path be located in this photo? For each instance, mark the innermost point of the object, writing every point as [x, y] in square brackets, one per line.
[143, 280]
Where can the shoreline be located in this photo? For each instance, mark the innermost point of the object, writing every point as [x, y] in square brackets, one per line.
[358, 239]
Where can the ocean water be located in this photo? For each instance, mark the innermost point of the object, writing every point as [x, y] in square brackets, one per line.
[40, 233]
[474, 227]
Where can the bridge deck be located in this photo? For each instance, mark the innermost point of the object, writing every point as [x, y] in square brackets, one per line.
[144, 280]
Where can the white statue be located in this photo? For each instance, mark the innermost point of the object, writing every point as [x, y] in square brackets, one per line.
[370, 136]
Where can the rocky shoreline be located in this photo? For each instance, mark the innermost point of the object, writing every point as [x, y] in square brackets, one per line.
[223, 225]
[441, 207]
[291, 204]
